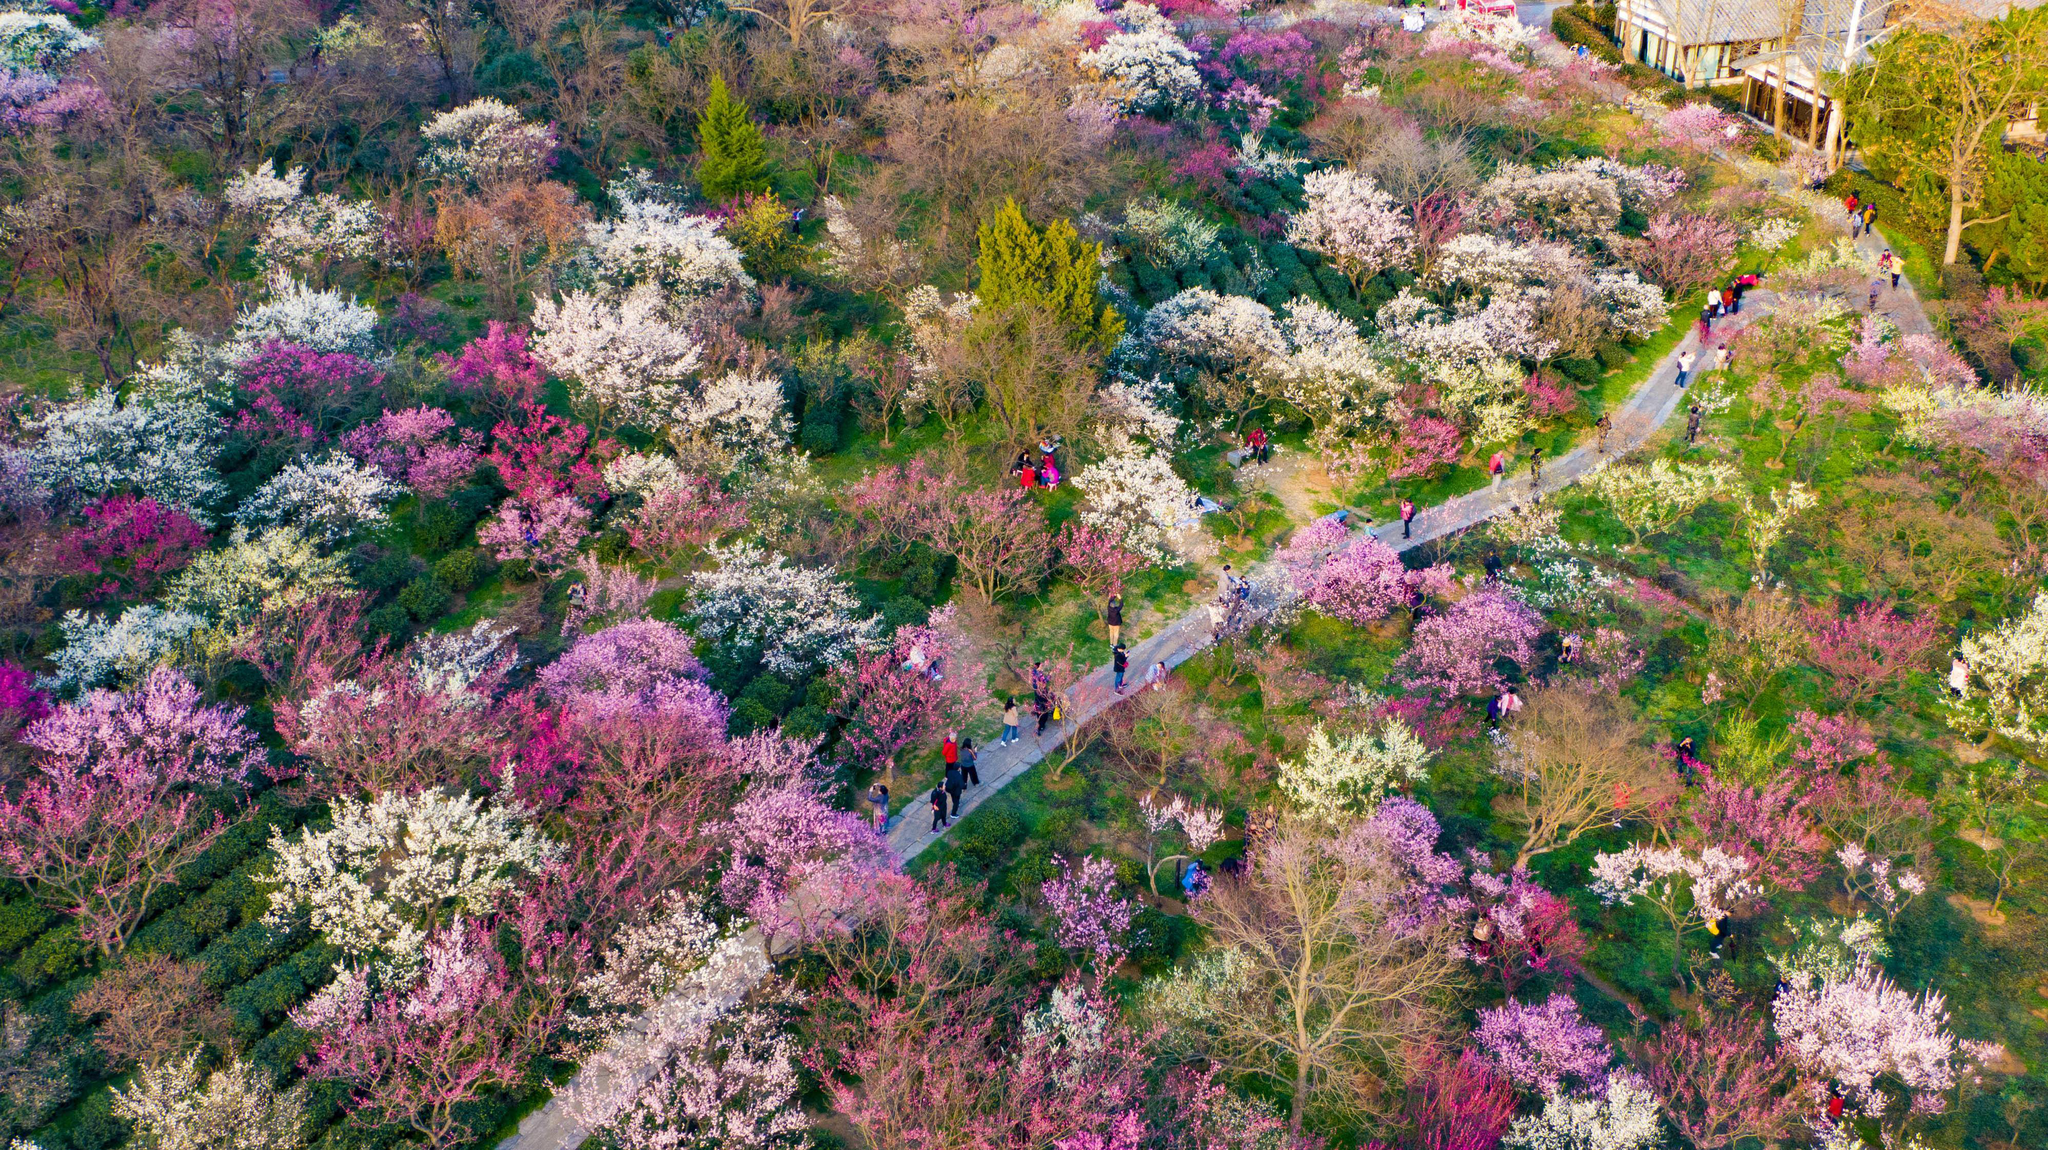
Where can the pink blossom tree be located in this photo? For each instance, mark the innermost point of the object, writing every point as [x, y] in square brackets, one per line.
[1686, 252]
[1721, 1083]
[1870, 649]
[784, 836]
[291, 396]
[1539, 1048]
[1455, 653]
[497, 368]
[122, 800]
[1355, 578]
[1770, 825]
[1097, 559]
[676, 520]
[1519, 929]
[544, 534]
[1459, 1103]
[1866, 1037]
[20, 702]
[127, 544]
[904, 695]
[365, 725]
[641, 665]
[542, 456]
[420, 447]
[1089, 915]
[1426, 445]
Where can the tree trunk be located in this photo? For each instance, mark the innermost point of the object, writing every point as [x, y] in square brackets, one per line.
[1300, 1103]
[1955, 210]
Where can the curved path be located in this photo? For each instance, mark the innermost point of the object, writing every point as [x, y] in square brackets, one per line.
[1634, 422]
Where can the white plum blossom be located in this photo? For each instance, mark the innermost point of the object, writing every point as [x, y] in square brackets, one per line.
[1625, 1118]
[852, 254]
[324, 226]
[392, 869]
[1486, 262]
[742, 414]
[326, 499]
[1150, 70]
[1636, 307]
[1568, 201]
[641, 473]
[1254, 157]
[1169, 232]
[262, 192]
[163, 450]
[1230, 331]
[2010, 661]
[654, 243]
[448, 664]
[1858, 1030]
[1136, 496]
[256, 575]
[933, 322]
[801, 618]
[1472, 357]
[98, 651]
[1345, 777]
[175, 1107]
[1130, 407]
[41, 41]
[1329, 372]
[1349, 221]
[485, 141]
[625, 360]
[1718, 879]
[295, 313]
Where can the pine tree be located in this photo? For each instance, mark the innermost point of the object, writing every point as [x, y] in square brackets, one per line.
[731, 158]
[1050, 268]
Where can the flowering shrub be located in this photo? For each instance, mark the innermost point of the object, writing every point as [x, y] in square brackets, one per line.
[169, 1100]
[326, 500]
[1088, 914]
[741, 414]
[680, 516]
[1283, 55]
[1096, 558]
[98, 651]
[262, 192]
[319, 228]
[127, 544]
[905, 694]
[1149, 70]
[545, 455]
[544, 532]
[1686, 252]
[256, 575]
[799, 618]
[1227, 331]
[1349, 221]
[485, 142]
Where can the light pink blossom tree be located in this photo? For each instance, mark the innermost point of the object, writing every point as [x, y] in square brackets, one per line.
[121, 801]
[1861, 1034]
[1540, 1047]
[1870, 649]
[1454, 653]
[1351, 577]
[1721, 1082]
[1089, 915]
[906, 694]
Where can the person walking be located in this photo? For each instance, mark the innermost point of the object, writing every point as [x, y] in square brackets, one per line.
[1010, 718]
[1714, 301]
[878, 797]
[949, 750]
[967, 765]
[1876, 286]
[1870, 219]
[1705, 327]
[1850, 203]
[1407, 517]
[939, 820]
[1603, 425]
[1692, 424]
[1497, 467]
[1156, 677]
[1685, 362]
[1041, 707]
[1113, 616]
[1958, 677]
[1119, 662]
[1535, 468]
[1041, 680]
[1492, 563]
[1888, 264]
[956, 782]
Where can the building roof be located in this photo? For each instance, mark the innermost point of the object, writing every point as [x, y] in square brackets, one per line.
[1724, 21]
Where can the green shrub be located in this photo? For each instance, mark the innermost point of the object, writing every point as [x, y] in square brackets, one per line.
[516, 570]
[988, 836]
[459, 570]
[94, 1125]
[390, 619]
[1571, 26]
[1034, 870]
[21, 920]
[424, 599]
[807, 722]
[1049, 962]
[1613, 356]
[820, 434]
[54, 956]
[904, 611]
[1058, 826]
[749, 715]
[769, 691]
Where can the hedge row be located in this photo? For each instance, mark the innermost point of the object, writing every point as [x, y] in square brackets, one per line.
[1572, 27]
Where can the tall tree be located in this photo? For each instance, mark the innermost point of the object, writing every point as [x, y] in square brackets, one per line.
[1929, 108]
[1050, 267]
[731, 157]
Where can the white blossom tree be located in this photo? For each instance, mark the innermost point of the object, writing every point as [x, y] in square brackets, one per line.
[325, 321]
[1651, 497]
[99, 446]
[263, 193]
[1330, 373]
[99, 651]
[1691, 889]
[1624, 1118]
[173, 1106]
[485, 141]
[625, 360]
[1229, 332]
[2010, 661]
[659, 245]
[1349, 221]
[1345, 777]
[1149, 70]
[1136, 496]
[800, 618]
[1863, 1032]
[326, 500]
[256, 575]
[742, 414]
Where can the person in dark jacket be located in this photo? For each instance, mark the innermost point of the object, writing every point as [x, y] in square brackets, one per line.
[967, 763]
[1119, 661]
[939, 819]
[1113, 616]
[956, 781]
[1042, 707]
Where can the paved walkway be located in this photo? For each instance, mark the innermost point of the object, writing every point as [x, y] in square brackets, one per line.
[1634, 422]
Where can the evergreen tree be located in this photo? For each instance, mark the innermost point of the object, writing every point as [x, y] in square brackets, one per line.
[731, 158]
[1050, 268]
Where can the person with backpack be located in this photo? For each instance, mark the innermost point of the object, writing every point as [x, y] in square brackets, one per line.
[1850, 203]
[1870, 218]
[1692, 424]
[1042, 707]
[967, 766]
[1535, 468]
[956, 782]
[1603, 425]
[1119, 662]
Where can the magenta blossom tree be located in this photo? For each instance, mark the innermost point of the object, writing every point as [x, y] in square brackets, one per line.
[1721, 1082]
[545, 534]
[542, 456]
[1454, 654]
[420, 447]
[127, 544]
[121, 800]
[1519, 929]
[1353, 577]
[291, 396]
[1541, 1048]
[1089, 916]
[1426, 446]
[1459, 1103]
[497, 368]
[20, 702]
[905, 695]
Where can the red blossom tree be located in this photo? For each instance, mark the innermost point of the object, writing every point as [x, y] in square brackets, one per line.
[1722, 1083]
[1870, 649]
[122, 800]
[1458, 1103]
[542, 456]
[127, 544]
[497, 368]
